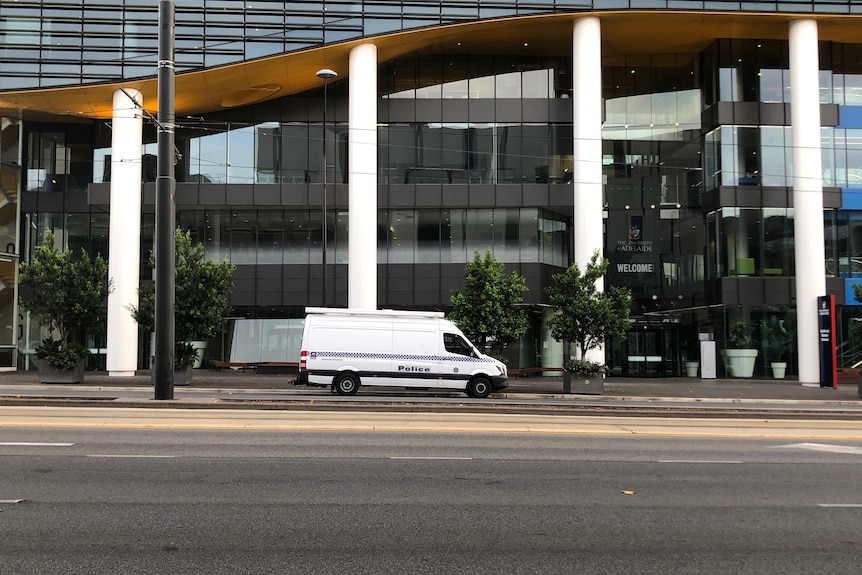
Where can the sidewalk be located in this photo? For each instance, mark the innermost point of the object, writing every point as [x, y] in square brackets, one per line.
[616, 388]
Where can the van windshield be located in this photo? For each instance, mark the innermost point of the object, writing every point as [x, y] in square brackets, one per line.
[454, 343]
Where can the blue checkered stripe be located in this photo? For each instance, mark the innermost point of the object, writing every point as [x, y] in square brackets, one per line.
[393, 356]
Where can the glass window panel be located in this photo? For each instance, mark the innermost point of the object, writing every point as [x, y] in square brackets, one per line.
[382, 237]
[553, 242]
[338, 229]
[217, 240]
[827, 155]
[456, 89]
[297, 237]
[508, 85]
[240, 156]
[840, 158]
[402, 236]
[336, 152]
[430, 154]
[430, 78]
[773, 153]
[741, 235]
[481, 88]
[453, 139]
[403, 152]
[480, 231]
[259, 49]
[454, 229]
[538, 84]
[9, 186]
[267, 141]
[852, 89]
[528, 235]
[506, 234]
[212, 158]
[428, 245]
[243, 243]
[481, 159]
[852, 159]
[270, 237]
[730, 86]
[777, 242]
[826, 87]
[774, 85]
[297, 142]
[535, 153]
[403, 78]
[509, 150]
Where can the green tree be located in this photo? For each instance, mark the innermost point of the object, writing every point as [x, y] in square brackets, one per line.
[201, 303]
[487, 310]
[66, 294]
[586, 315]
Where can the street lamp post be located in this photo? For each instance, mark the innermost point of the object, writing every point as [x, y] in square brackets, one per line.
[326, 74]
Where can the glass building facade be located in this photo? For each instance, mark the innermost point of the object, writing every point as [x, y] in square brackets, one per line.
[476, 150]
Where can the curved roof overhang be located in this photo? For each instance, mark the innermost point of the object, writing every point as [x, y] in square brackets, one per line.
[623, 33]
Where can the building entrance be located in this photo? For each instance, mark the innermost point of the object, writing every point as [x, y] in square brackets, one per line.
[650, 352]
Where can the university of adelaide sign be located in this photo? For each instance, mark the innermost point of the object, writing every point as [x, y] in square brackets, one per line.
[634, 261]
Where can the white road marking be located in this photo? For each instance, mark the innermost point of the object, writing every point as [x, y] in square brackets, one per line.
[119, 456]
[34, 444]
[433, 458]
[824, 447]
[698, 461]
[12, 500]
[846, 505]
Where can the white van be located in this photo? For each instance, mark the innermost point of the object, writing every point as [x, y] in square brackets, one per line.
[345, 348]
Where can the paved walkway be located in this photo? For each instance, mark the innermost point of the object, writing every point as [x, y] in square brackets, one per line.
[675, 389]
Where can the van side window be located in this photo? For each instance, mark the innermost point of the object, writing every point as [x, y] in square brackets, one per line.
[454, 343]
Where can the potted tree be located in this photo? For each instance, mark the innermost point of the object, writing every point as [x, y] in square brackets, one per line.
[201, 303]
[741, 353]
[68, 296]
[777, 339]
[587, 317]
[691, 360]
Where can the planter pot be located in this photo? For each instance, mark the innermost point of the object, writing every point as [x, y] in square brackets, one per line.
[589, 385]
[691, 368]
[779, 368]
[183, 376]
[740, 362]
[200, 347]
[50, 374]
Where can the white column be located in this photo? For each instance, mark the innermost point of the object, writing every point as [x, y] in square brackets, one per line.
[125, 232]
[807, 193]
[587, 130]
[362, 160]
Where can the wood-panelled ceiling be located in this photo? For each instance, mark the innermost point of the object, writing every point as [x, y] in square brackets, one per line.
[623, 34]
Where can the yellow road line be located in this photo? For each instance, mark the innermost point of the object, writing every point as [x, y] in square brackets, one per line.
[269, 420]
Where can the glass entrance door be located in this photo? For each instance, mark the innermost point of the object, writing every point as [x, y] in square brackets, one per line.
[650, 353]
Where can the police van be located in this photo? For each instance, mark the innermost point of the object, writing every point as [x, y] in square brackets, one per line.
[344, 349]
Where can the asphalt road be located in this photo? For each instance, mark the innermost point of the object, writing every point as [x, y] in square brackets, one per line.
[100, 501]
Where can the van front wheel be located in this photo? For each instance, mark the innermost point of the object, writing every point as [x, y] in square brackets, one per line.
[479, 387]
[347, 384]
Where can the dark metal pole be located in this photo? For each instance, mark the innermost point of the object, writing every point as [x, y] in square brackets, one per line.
[326, 74]
[163, 368]
[325, 199]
